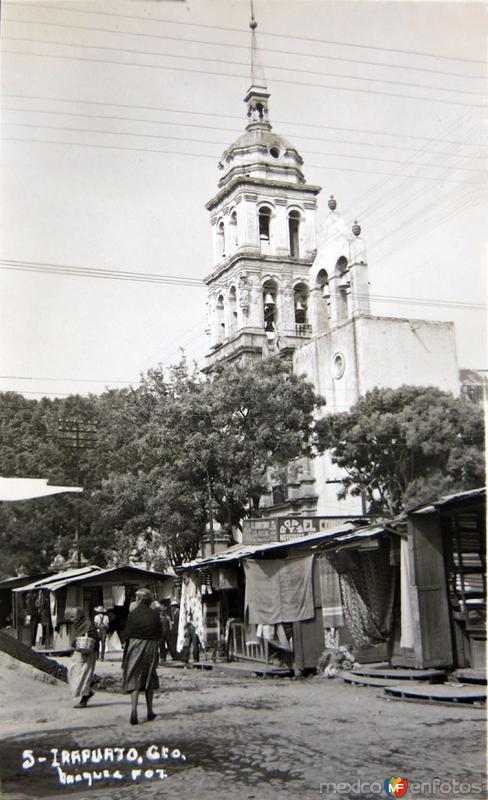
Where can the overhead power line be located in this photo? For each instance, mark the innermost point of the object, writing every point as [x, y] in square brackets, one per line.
[308, 84]
[180, 280]
[227, 62]
[153, 20]
[220, 115]
[223, 142]
[236, 131]
[235, 46]
[202, 155]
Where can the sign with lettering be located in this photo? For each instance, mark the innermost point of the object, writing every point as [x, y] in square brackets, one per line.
[284, 529]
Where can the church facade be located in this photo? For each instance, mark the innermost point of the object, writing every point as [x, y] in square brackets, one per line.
[279, 289]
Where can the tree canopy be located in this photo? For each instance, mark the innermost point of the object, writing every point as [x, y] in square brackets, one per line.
[156, 461]
[400, 447]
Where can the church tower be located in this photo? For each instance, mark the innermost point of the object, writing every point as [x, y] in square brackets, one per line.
[264, 235]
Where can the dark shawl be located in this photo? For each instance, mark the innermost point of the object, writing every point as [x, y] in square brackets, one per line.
[143, 623]
[81, 625]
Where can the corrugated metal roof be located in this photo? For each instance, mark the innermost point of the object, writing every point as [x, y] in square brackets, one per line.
[447, 499]
[62, 579]
[69, 575]
[239, 551]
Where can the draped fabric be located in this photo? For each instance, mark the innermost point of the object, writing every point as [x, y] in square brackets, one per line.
[80, 675]
[81, 625]
[367, 589]
[108, 601]
[139, 664]
[143, 623]
[191, 610]
[53, 604]
[332, 609]
[407, 630]
[279, 590]
[118, 595]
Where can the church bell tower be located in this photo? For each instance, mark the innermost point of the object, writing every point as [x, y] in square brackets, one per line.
[264, 237]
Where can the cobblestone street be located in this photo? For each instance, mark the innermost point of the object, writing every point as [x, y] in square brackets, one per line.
[235, 736]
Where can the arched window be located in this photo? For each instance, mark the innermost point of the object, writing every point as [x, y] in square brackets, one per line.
[300, 297]
[293, 231]
[233, 309]
[269, 306]
[233, 228]
[321, 302]
[221, 238]
[343, 285]
[322, 283]
[264, 219]
[220, 318]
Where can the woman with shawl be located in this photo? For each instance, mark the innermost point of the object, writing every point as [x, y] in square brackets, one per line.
[142, 636]
[82, 667]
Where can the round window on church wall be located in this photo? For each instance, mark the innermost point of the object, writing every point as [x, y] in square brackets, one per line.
[274, 151]
[338, 365]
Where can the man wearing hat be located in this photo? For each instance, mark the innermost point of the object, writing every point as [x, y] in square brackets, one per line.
[101, 621]
[142, 636]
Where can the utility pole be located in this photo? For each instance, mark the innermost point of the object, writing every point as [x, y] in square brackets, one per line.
[79, 436]
[210, 516]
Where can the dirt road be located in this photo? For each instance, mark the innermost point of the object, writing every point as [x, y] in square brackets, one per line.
[232, 737]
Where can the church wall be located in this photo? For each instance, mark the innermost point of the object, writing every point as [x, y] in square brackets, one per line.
[372, 352]
[406, 351]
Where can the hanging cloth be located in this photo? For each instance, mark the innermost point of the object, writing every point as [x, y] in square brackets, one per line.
[407, 631]
[228, 578]
[368, 593]
[108, 601]
[332, 609]
[191, 610]
[279, 590]
[118, 595]
[53, 606]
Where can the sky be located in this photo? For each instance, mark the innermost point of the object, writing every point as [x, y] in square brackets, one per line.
[115, 114]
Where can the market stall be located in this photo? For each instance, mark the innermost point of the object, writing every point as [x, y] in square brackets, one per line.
[50, 602]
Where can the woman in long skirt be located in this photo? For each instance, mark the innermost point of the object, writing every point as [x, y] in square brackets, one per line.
[141, 653]
[82, 667]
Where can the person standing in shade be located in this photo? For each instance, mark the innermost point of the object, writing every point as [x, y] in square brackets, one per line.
[191, 643]
[141, 637]
[101, 621]
[173, 635]
[164, 645]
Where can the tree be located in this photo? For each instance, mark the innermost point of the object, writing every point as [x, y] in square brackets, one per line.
[229, 430]
[401, 447]
[203, 450]
[32, 445]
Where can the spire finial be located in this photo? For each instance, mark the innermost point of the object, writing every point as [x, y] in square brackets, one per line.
[257, 72]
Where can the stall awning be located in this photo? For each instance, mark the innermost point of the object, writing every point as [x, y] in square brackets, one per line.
[240, 551]
[446, 500]
[69, 576]
[94, 575]
[14, 489]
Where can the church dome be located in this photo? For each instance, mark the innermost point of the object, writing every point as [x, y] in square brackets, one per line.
[260, 152]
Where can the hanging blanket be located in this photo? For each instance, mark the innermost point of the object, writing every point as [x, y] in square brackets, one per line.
[279, 590]
[191, 610]
[332, 610]
[368, 592]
